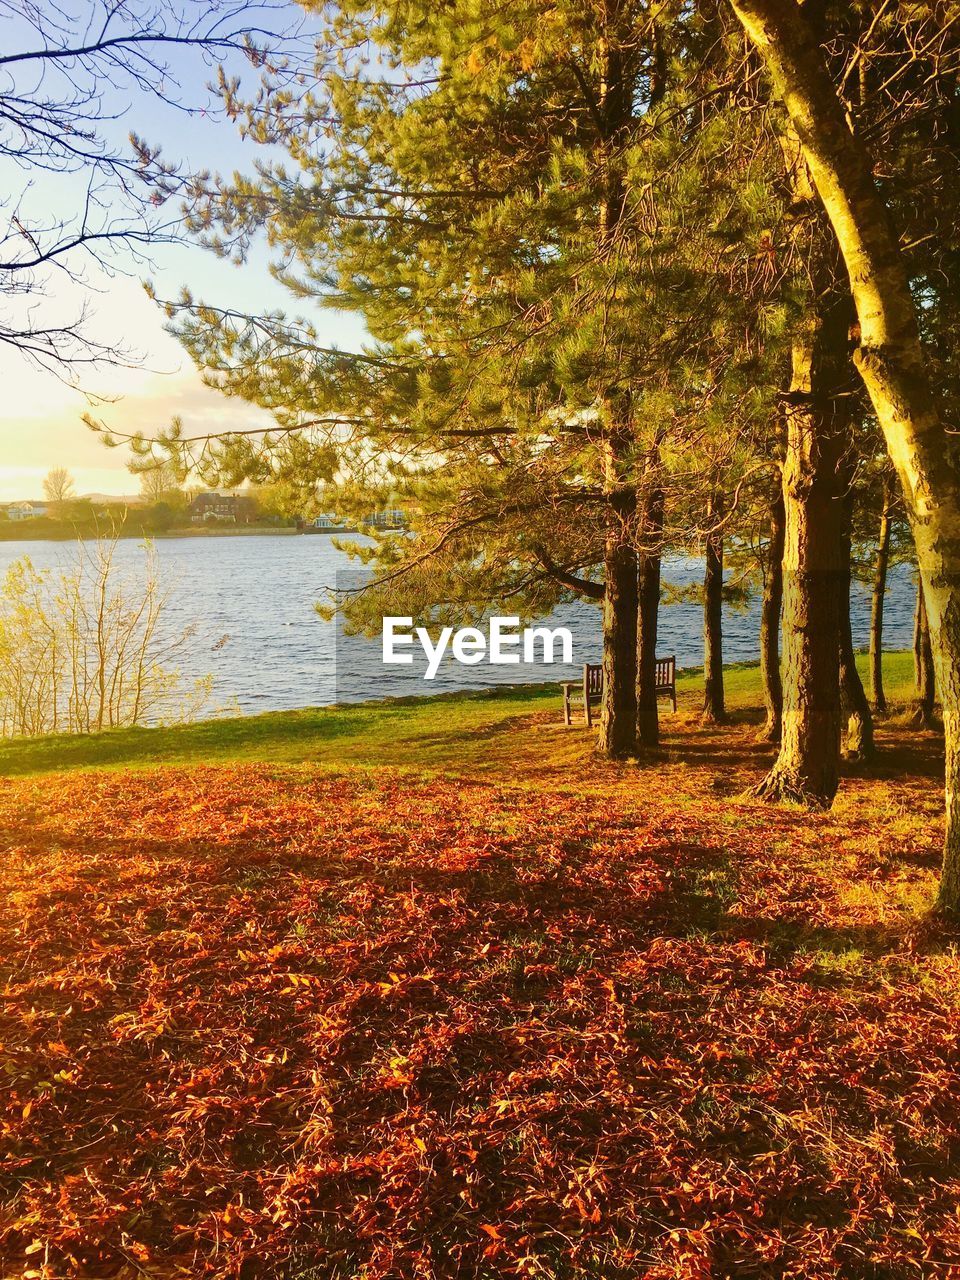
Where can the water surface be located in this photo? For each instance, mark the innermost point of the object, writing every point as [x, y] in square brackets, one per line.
[251, 601]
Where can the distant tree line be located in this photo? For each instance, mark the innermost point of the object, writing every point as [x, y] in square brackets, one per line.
[165, 507]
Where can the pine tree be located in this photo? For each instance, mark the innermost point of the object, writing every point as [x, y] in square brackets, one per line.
[898, 375]
[540, 263]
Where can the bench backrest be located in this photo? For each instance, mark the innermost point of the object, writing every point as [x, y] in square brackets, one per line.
[593, 675]
[666, 672]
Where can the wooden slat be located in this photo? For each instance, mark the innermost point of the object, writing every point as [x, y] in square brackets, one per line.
[591, 686]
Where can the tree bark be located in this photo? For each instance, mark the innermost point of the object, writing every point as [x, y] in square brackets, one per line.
[770, 624]
[924, 716]
[646, 710]
[714, 709]
[618, 729]
[890, 359]
[618, 735]
[807, 768]
[855, 709]
[877, 694]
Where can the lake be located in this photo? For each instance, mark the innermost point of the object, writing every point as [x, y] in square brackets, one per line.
[251, 599]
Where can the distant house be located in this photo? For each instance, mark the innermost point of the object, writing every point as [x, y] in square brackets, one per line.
[392, 519]
[331, 523]
[227, 508]
[376, 520]
[25, 510]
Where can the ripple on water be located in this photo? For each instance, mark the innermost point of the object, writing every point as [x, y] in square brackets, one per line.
[259, 592]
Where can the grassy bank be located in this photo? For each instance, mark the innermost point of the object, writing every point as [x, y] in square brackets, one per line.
[458, 731]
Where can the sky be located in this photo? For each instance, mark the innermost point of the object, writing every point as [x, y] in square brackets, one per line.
[41, 423]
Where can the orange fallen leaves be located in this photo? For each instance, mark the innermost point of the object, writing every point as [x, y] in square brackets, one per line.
[263, 1023]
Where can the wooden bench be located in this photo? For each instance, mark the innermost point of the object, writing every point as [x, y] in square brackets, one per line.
[590, 688]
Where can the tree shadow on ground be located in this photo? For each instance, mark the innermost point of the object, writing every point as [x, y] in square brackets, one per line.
[784, 940]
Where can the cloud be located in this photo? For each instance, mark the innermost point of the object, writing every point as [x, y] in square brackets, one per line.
[38, 436]
[41, 418]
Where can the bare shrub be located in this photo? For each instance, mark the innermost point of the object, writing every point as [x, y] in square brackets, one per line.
[83, 648]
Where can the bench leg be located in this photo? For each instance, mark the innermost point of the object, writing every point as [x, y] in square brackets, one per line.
[566, 708]
[674, 692]
[588, 718]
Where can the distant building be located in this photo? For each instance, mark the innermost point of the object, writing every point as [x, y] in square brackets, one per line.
[392, 519]
[376, 520]
[25, 510]
[227, 508]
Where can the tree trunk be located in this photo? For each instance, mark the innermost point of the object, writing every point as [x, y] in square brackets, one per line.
[646, 711]
[890, 359]
[714, 710]
[618, 725]
[618, 736]
[877, 695]
[924, 716]
[855, 708]
[807, 769]
[770, 624]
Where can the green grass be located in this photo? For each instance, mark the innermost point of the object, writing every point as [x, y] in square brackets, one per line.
[403, 731]
[741, 681]
[470, 731]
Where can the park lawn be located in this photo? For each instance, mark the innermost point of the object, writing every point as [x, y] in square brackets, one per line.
[451, 732]
[520, 1012]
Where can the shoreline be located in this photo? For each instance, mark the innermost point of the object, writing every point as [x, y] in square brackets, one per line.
[187, 531]
[87, 535]
[435, 721]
